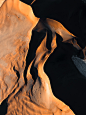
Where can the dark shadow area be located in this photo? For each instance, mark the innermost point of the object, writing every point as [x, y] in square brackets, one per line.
[36, 39]
[49, 39]
[49, 34]
[34, 73]
[3, 107]
[67, 83]
[71, 13]
[17, 73]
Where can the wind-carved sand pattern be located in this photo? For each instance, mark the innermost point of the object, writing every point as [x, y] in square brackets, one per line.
[16, 24]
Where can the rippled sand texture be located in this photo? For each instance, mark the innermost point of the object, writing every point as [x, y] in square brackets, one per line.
[16, 23]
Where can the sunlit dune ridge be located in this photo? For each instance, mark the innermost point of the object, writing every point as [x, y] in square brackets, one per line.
[17, 21]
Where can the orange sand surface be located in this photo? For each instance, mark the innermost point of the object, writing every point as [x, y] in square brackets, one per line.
[16, 23]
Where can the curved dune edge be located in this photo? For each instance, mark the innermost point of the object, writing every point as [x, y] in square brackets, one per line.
[24, 19]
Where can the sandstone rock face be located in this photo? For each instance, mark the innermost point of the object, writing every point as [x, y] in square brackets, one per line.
[16, 23]
[15, 34]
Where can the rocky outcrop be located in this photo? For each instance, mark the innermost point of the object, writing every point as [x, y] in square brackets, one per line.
[34, 98]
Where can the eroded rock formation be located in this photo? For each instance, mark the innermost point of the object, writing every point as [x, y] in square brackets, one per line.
[34, 98]
[15, 34]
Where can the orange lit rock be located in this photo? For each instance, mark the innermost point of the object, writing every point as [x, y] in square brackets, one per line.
[60, 29]
[15, 34]
[16, 23]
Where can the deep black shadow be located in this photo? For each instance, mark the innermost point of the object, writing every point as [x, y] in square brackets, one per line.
[3, 107]
[67, 83]
[17, 73]
[34, 73]
[36, 39]
[27, 1]
[71, 13]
